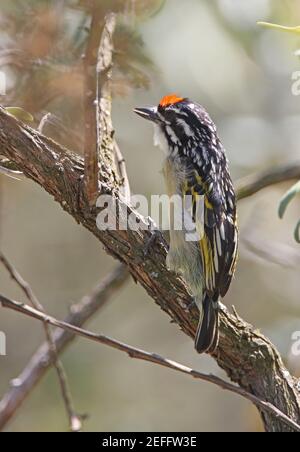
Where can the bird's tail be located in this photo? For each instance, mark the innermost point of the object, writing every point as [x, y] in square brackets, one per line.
[207, 336]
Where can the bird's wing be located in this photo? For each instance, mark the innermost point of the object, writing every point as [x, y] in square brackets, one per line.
[213, 196]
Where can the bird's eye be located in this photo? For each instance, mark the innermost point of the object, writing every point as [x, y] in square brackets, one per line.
[170, 115]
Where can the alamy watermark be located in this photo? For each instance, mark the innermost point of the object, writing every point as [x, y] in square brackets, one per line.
[173, 213]
[296, 83]
[2, 344]
[295, 349]
[296, 79]
[2, 83]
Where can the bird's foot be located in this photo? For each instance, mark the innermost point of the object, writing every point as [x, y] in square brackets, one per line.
[155, 237]
[191, 305]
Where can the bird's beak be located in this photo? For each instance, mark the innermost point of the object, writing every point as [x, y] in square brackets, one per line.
[149, 113]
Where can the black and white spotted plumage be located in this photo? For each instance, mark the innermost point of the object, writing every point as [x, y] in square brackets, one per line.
[197, 163]
[199, 149]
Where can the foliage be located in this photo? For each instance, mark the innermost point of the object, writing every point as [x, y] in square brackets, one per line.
[20, 114]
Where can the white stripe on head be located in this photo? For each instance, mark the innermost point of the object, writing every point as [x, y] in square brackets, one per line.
[172, 134]
[187, 130]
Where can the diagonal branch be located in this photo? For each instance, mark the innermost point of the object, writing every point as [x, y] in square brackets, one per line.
[246, 355]
[147, 356]
[250, 185]
[41, 361]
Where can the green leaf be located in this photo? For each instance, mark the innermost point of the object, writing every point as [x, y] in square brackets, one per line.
[287, 198]
[19, 113]
[285, 201]
[293, 30]
[297, 232]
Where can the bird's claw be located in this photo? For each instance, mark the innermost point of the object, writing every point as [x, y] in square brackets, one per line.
[191, 305]
[155, 235]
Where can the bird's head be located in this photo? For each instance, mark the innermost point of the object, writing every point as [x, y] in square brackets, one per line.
[178, 121]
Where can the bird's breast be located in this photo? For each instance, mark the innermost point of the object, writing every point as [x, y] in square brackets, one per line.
[171, 179]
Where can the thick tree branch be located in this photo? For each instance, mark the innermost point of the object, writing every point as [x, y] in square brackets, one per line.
[41, 361]
[147, 356]
[246, 355]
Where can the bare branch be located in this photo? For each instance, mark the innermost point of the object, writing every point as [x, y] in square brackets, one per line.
[147, 356]
[45, 119]
[105, 131]
[99, 143]
[41, 361]
[8, 169]
[250, 185]
[74, 420]
[53, 127]
[91, 172]
[9, 173]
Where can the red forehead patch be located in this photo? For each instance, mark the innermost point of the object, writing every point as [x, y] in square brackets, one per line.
[170, 99]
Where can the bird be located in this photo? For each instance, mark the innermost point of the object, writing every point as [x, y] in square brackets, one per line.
[196, 171]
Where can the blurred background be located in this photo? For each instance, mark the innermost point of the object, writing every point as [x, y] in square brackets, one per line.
[214, 53]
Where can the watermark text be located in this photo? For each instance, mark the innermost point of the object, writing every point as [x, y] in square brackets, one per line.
[2, 344]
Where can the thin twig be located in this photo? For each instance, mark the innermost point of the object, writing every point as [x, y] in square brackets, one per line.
[22, 386]
[9, 173]
[123, 173]
[74, 420]
[53, 127]
[147, 356]
[45, 119]
[8, 169]
[250, 185]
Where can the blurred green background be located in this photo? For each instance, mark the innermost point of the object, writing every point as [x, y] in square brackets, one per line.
[213, 52]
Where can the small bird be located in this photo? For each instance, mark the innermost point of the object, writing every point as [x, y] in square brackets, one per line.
[196, 170]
